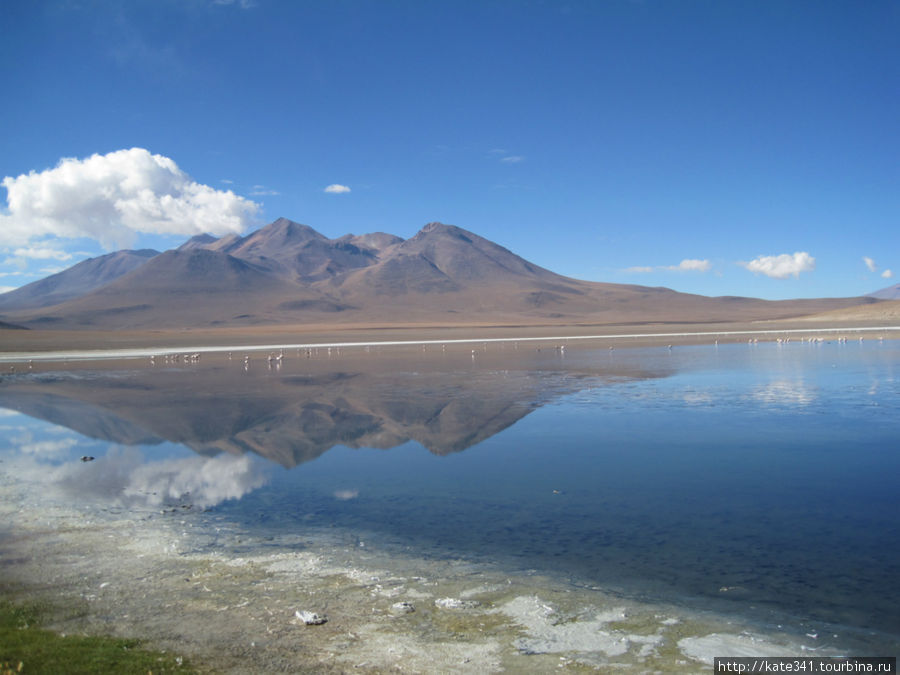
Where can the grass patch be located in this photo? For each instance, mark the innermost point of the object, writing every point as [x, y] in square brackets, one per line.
[27, 648]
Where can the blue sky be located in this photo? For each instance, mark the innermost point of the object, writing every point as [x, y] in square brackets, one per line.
[714, 147]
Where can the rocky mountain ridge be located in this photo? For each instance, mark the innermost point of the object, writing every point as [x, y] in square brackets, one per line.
[288, 273]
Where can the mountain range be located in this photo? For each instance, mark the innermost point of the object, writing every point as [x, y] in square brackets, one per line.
[288, 273]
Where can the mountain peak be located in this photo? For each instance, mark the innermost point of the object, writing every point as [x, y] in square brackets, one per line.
[198, 241]
[278, 240]
[437, 226]
[289, 229]
[442, 229]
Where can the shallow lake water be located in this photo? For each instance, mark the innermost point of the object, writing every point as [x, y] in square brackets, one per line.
[752, 482]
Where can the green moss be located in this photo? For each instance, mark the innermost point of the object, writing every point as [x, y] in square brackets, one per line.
[27, 648]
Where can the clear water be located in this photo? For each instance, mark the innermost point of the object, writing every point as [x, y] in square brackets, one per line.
[755, 480]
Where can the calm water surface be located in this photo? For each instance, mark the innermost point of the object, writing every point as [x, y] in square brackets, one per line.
[759, 480]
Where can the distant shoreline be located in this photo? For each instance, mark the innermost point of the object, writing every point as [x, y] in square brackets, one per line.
[632, 339]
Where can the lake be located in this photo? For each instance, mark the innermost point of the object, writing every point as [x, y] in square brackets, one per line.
[744, 485]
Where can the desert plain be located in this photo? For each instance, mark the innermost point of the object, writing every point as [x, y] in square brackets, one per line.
[18, 344]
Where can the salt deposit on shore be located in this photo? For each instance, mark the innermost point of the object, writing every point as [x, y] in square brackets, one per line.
[191, 350]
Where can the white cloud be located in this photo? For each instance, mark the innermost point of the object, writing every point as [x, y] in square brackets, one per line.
[112, 197]
[782, 266]
[7, 289]
[870, 264]
[243, 4]
[504, 156]
[22, 257]
[686, 265]
[337, 189]
[42, 253]
[263, 191]
[689, 265]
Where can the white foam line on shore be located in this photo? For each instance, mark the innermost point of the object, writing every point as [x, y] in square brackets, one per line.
[144, 352]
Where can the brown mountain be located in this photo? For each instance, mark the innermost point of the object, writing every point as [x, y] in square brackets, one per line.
[299, 253]
[187, 287]
[75, 281]
[444, 258]
[287, 273]
[198, 241]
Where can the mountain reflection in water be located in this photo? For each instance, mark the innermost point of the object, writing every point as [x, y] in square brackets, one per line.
[295, 413]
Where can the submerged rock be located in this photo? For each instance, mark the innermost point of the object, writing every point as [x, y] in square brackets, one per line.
[402, 608]
[456, 603]
[310, 618]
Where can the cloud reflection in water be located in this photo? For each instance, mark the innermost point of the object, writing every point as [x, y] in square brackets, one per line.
[123, 475]
[784, 393]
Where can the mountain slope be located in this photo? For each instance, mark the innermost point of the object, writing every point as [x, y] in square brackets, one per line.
[191, 271]
[198, 241]
[177, 288]
[464, 256]
[77, 280]
[443, 259]
[889, 293]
